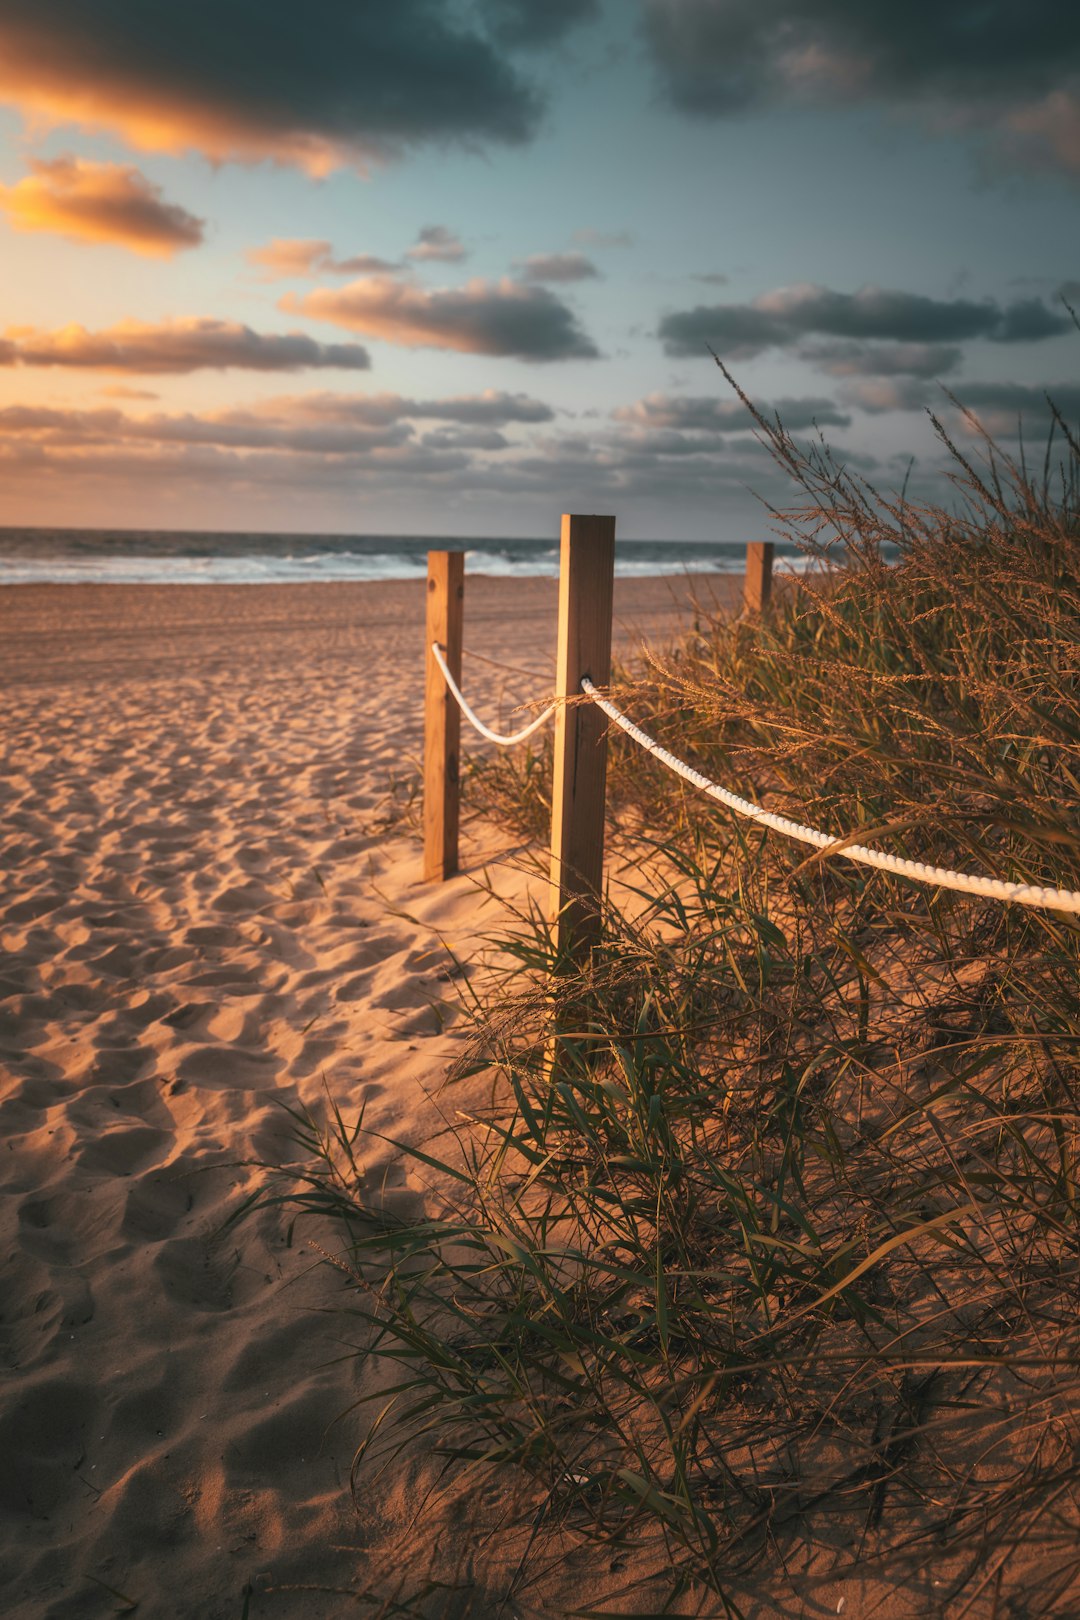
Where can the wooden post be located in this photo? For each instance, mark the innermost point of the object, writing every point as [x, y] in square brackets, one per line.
[586, 586]
[442, 717]
[758, 585]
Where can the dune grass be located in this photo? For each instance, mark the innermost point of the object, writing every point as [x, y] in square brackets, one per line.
[776, 1279]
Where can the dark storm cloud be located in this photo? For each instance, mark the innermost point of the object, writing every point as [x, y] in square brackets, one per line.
[178, 346]
[842, 357]
[503, 318]
[780, 319]
[980, 63]
[339, 82]
[535, 22]
[707, 414]
[558, 267]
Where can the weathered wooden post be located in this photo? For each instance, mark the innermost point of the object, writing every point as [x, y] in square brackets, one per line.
[758, 585]
[586, 589]
[442, 718]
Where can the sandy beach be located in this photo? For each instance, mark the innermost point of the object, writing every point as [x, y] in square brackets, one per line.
[207, 911]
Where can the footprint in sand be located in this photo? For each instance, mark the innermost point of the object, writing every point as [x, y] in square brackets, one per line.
[295, 1430]
[124, 1149]
[228, 1068]
[157, 1205]
[43, 1440]
[195, 1274]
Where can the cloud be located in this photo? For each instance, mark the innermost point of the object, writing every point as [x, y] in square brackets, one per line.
[177, 346]
[351, 82]
[658, 480]
[501, 318]
[301, 459]
[436, 242]
[163, 473]
[290, 258]
[536, 22]
[1003, 409]
[967, 65]
[781, 318]
[360, 264]
[558, 267]
[285, 257]
[842, 357]
[707, 414]
[374, 427]
[1046, 133]
[492, 408]
[1028, 320]
[110, 203]
[466, 438]
[233, 430]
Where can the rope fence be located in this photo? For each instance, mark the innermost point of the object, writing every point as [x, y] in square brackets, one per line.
[586, 578]
[498, 737]
[1023, 894]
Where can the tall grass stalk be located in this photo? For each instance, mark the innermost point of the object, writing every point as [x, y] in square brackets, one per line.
[778, 1279]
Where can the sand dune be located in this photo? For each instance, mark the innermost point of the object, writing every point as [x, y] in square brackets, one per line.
[201, 918]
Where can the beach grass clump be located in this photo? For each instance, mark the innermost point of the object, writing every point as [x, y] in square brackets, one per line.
[763, 1260]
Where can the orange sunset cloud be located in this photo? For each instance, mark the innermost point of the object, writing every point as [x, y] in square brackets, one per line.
[108, 203]
[176, 346]
[352, 85]
[152, 121]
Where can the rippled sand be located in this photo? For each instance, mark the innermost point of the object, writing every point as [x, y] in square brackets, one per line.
[201, 917]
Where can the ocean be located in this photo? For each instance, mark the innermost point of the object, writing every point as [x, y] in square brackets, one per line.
[128, 556]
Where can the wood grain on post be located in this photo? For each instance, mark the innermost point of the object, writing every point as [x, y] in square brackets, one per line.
[586, 587]
[758, 586]
[442, 717]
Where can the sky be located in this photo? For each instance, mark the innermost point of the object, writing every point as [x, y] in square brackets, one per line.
[453, 267]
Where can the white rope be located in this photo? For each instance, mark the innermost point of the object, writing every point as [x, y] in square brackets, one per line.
[1024, 894]
[474, 719]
